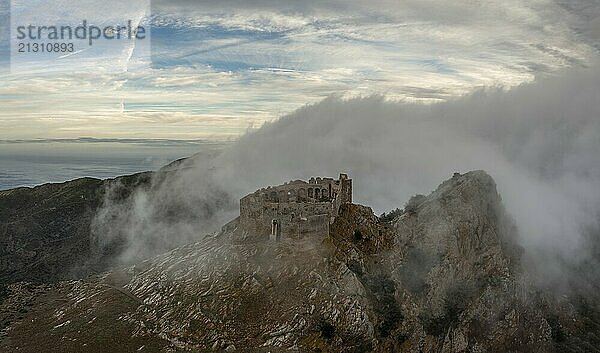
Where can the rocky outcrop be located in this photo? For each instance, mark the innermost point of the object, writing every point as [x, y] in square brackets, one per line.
[443, 275]
[457, 266]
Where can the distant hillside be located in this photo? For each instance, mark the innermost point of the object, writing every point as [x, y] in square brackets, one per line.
[45, 231]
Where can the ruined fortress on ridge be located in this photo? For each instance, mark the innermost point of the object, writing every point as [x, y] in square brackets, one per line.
[296, 208]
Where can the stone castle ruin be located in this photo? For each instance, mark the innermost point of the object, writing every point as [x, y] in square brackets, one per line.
[295, 209]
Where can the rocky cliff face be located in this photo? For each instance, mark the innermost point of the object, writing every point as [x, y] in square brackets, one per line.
[441, 276]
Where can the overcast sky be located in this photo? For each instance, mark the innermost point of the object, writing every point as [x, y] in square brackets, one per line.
[219, 68]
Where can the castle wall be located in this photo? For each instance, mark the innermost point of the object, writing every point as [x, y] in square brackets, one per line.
[295, 209]
[295, 219]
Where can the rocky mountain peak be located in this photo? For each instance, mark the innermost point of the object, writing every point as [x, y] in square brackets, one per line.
[441, 275]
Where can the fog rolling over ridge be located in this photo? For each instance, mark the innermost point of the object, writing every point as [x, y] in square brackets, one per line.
[539, 141]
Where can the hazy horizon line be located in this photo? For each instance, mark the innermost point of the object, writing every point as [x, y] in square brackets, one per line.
[145, 141]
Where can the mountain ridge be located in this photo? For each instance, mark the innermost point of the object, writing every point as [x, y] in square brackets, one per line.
[442, 276]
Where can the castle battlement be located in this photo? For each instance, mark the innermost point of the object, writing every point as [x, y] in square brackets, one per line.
[296, 208]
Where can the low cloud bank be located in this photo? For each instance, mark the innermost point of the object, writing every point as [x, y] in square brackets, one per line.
[539, 141]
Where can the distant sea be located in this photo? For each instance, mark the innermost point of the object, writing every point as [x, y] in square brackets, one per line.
[35, 162]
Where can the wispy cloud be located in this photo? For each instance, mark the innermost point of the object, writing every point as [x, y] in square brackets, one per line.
[218, 68]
